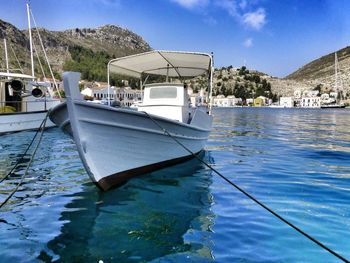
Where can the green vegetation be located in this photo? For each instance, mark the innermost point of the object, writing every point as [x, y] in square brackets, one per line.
[92, 65]
[245, 85]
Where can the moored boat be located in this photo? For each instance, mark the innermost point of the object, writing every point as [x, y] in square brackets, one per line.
[24, 101]
[116, 144]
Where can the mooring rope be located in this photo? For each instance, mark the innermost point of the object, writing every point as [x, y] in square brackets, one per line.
[249, 195]
[25, 152]
[41, 129]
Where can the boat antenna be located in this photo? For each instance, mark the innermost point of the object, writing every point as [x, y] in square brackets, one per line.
[30, 40]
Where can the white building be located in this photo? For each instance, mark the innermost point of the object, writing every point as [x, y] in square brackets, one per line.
[297, 94]
[87, 92]
[230, 101]
[197, 99]
[102, 93]
[287, 102]
[127, 96]
[310, 102]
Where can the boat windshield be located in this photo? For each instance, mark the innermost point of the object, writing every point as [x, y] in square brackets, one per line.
[163, 93]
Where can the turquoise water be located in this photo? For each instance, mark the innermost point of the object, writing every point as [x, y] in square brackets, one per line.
[295, 161]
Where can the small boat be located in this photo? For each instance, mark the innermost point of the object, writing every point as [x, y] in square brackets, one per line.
[116, 144]
[24, 102]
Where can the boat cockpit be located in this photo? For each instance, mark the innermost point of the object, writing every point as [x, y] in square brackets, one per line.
[170, 100]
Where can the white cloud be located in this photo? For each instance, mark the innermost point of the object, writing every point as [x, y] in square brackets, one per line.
[238, 9]
[255, 20]
[229, 5]
[242, 11]
[248, 43]
[190, 4]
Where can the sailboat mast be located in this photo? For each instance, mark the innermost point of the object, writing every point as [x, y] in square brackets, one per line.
[30, 41]
[6, 57]
[336, 71]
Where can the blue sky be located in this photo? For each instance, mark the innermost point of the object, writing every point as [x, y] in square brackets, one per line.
[273, 36]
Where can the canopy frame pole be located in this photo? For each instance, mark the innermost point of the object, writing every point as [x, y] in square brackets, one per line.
[167, 74]
[211, 83]
[108, 82]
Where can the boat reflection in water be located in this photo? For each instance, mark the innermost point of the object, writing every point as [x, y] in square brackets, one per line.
[153, 217]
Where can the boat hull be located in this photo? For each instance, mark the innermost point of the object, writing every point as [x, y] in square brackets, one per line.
[336, 106]
[21, 121]
[116, 144]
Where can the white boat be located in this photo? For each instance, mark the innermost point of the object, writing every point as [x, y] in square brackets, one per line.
[24, 102]
[118, 143]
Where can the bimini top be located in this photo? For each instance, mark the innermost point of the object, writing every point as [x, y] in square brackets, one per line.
[171, 63]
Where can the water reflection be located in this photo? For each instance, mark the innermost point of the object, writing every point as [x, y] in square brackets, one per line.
[150, 217]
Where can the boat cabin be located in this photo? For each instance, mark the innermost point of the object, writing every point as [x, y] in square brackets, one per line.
[18, 93]
[170, 100]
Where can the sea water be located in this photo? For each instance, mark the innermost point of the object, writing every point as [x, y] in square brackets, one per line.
[294, 161]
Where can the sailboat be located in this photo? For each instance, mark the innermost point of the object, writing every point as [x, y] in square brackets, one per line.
[24, 101]
[336, 103]
[115, 144]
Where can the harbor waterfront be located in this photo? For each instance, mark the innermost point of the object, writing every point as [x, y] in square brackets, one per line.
[296, 161]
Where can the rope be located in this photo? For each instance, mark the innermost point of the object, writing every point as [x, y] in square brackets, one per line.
[25, 152]
[14, 53]
[38, 58]
[45, 54]
[42, 128]
[250, 196]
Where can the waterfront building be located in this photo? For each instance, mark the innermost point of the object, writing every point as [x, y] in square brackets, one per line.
[198, 99]
[287, 102]
[88, 92]
[125, 95]
[249, 102]
[311, 102]
[229, 101]
[260, 101]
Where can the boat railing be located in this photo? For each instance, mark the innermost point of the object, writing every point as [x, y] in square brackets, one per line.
[25, 106]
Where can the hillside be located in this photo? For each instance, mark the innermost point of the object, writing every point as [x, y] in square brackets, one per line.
[100, 43]
[321, 71]
[240, 82]
[89, 49]
[322, 67]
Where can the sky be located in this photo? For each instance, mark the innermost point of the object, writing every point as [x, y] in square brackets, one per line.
[273, 36]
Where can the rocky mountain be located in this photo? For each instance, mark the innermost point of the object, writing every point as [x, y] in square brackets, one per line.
[109, 40]
[322, 68]
[320, 72]
[88, 50]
